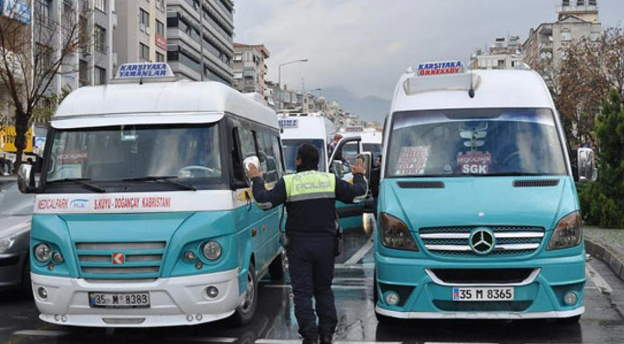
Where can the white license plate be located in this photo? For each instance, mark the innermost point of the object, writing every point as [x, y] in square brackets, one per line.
[119, 300]
[483, 294]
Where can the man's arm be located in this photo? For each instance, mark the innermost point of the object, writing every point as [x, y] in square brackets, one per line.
[268, 199]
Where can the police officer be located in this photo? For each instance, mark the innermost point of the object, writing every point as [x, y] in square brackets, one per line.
[311, 229]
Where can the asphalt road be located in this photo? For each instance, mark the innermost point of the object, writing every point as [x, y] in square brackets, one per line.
[274, 322]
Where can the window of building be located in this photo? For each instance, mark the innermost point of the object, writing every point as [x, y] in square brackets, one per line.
[100, 5]
[144, 52]
[160, 28]
[43, 57]
[160, 5]
[580, 2]
[566, 35]
[144, 16]
[99, 76]
[83, 73]
[238, 57]
[248, 56]
[43, 10]
[99, 38]
[160, 57]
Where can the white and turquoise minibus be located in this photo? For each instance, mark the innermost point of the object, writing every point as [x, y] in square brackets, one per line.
[478, 210]
[143, 215]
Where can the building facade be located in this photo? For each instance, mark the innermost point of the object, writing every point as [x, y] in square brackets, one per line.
[250, 68]
[199, 39]
[506, 53]
[577, 19]
[140, 35]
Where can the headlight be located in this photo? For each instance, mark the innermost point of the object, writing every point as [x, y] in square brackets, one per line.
[43, 253]
[395, 234]
[6, 243]
[568, 232]
[211, 250]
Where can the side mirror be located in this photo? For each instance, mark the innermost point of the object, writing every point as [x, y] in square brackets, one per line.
[25, 178]
[586, 167]
[338, 168]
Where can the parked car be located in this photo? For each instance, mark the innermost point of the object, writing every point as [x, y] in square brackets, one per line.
[15, 216]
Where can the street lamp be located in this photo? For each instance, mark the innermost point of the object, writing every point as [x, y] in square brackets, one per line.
[316, 89]
[279, 77]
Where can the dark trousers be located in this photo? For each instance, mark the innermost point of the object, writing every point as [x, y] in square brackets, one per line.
[311, 267]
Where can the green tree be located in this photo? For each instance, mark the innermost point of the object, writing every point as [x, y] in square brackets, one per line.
[603, 201]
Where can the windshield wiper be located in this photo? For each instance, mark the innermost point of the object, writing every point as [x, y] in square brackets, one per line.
[166, 179]
[82, 182]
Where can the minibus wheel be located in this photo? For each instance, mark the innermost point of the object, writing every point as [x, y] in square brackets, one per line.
[26, 285]
[277, 267]
[245, 311]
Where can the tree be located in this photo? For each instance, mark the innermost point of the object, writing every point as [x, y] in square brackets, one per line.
[603, 201]
[32, 53]
[589, 70]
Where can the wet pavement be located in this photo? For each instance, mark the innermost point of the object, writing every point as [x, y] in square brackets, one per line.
[274, 322]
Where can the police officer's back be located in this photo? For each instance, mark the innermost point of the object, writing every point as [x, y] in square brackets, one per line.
[311, 228]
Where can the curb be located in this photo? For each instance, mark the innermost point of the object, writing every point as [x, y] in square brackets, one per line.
[607, 254]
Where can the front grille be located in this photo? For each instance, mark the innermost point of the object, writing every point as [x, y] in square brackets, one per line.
[511, 241]
[141, 260]
[421, 185]
[541, 183]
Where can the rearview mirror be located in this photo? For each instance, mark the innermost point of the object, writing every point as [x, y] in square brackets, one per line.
[586, 168]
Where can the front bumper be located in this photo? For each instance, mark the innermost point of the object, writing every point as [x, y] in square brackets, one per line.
[174, 301]
[422, 296]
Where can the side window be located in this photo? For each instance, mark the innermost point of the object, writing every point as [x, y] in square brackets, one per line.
[248, 147]
[237, 160]
[267, 157]
[278, 154]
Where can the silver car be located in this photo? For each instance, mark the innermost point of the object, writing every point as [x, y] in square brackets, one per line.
[15, 217]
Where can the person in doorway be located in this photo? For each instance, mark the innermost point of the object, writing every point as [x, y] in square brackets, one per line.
[375, 176]
[333, 145]
[311, 228]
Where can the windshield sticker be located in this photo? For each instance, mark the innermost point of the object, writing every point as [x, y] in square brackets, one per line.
[474, 163]
[412, 160]
[73, 156]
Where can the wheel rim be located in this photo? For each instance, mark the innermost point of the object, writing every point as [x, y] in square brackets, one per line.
[249, 294]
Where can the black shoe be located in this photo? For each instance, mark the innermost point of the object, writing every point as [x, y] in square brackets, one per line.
[310, 340]
[327, 339]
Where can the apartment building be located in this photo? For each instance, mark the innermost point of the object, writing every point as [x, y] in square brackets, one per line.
[546, 44]
[250, 68]
[140, 35]
[506, 53]
[199, 39]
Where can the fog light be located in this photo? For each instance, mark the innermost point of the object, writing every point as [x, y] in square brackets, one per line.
[212, 292]
[570, 298]
[42, 292]
[189, 256]
[198, 317]
[57, 257]
[64, 318]
[189, 318]
[392, 298]
[57, 317]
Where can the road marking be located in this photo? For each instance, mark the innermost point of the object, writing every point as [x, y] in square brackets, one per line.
[6, 328]
[46, 333]
[341, 287]
[360, 253]
[599, 282]
[298, 341]
[203, 340]
[367, 266]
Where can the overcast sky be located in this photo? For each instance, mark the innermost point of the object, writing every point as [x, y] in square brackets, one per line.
[364, 45]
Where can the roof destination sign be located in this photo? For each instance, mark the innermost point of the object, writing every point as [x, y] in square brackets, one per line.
[437, 68]
[144, 70]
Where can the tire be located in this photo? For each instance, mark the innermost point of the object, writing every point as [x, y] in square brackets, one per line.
[278, 267]
[26, 284]
[245, 311]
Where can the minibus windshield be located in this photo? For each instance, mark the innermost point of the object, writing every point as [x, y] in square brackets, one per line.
[475, 142]
[168, 154]
[290, 153]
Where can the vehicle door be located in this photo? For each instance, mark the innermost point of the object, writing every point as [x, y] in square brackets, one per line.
[341, 162]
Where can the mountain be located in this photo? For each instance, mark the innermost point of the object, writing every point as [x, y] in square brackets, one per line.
[368, 108]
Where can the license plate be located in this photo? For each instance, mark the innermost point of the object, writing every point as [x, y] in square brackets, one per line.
[119, 300]
[483, 294]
